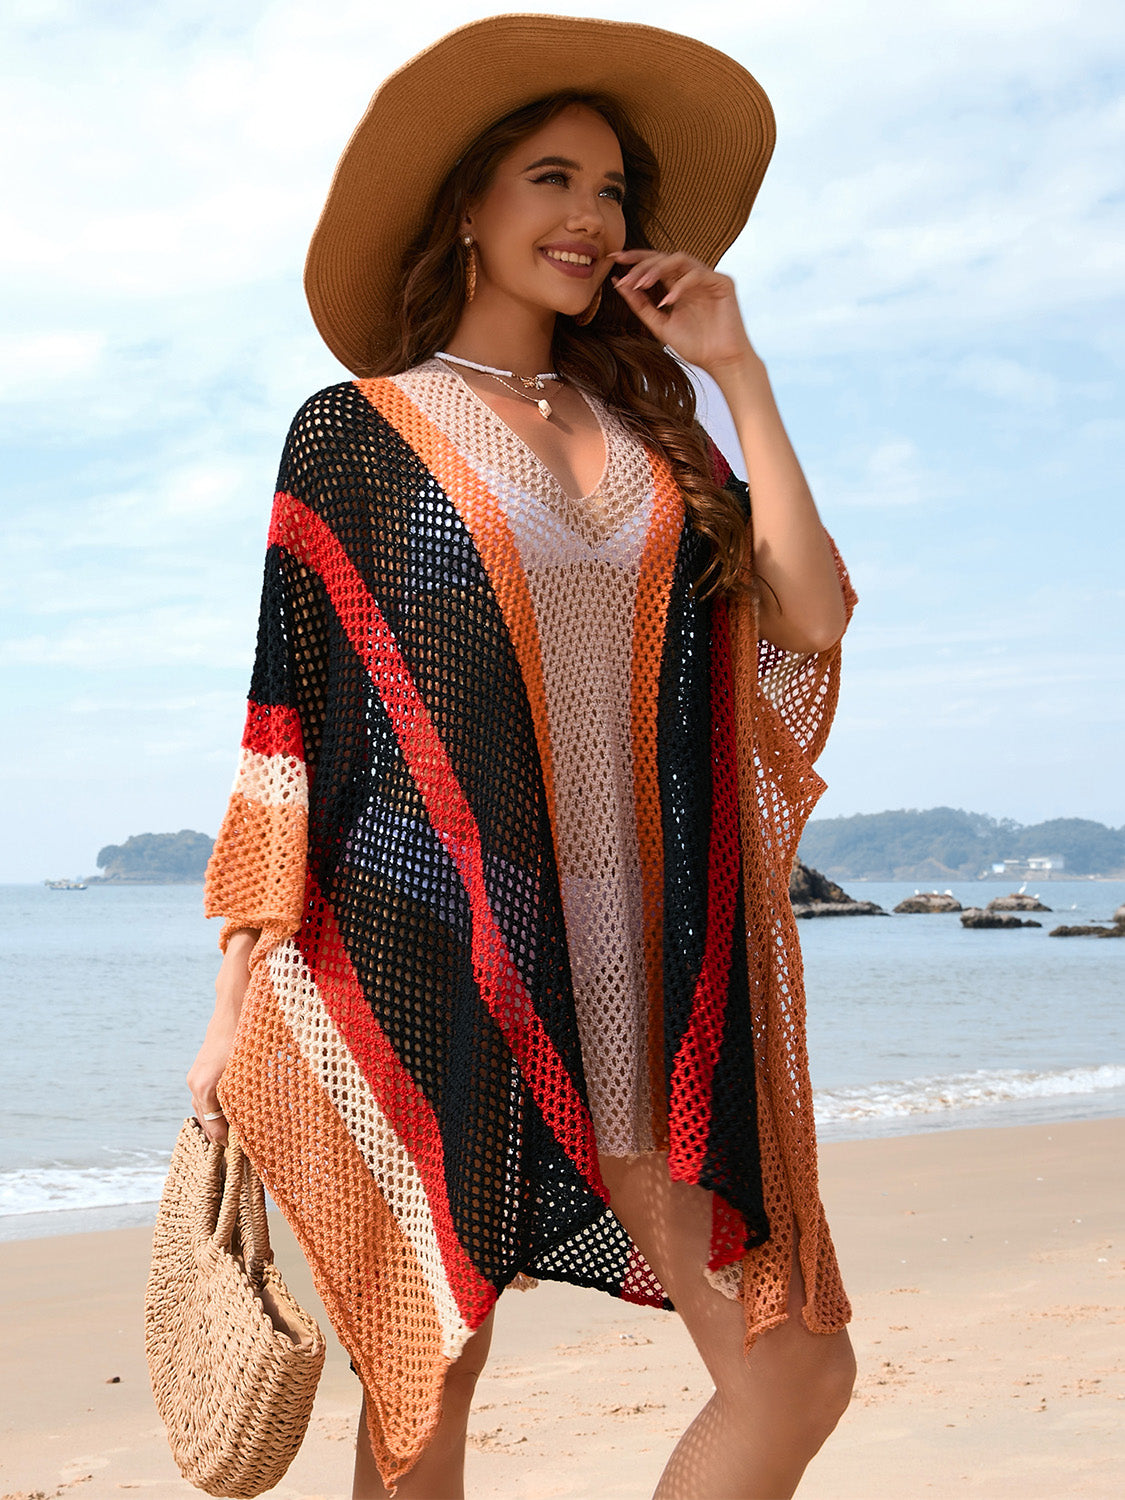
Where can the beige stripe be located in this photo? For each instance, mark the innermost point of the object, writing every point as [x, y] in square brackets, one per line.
[375, 1137]
[364, 1268]
[273, 780]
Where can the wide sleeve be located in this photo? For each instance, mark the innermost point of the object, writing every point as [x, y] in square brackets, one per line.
[257, 871]
[799, 687]
[784, 705]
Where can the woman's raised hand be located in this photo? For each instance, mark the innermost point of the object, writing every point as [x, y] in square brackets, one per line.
[696, 314]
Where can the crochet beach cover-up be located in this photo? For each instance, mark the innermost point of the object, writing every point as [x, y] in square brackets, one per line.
[407, 1074]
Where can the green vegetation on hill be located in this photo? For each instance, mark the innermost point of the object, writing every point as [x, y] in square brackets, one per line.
[943, 842]
[157, 858]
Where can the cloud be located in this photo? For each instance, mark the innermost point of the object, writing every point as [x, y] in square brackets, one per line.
[1008, 380]
[170, 636]
[33, 364]
[892, 473]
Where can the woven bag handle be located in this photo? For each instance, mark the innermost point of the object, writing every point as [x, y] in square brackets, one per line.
[256, 1250]
[244, 1205]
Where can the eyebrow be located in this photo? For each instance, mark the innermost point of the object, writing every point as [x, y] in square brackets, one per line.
[564, 161]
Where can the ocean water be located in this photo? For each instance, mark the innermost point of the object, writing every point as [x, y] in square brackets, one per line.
[914, 1024]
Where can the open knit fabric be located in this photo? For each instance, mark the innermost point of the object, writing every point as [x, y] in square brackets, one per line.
[582, 561]
[444, 940]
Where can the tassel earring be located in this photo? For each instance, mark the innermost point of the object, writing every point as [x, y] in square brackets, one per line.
[590, 313]
[470, 268]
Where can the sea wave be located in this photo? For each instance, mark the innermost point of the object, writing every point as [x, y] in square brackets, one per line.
[30, 1190]
[955, 1091]
[138, 1176]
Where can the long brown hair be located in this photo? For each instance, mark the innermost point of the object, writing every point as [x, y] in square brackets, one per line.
[614, 355]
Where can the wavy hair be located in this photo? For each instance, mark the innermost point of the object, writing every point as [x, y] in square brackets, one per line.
[614, 355]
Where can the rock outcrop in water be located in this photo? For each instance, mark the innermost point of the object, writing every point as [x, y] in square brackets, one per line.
[975, 917]
[927, 901]
[1118, 930]
[814, 895]
[1017, 901]
[1094, 929]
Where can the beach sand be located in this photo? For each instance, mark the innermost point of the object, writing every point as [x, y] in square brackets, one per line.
[987, 1269]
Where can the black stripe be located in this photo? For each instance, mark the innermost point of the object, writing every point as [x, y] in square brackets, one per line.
[395, 892]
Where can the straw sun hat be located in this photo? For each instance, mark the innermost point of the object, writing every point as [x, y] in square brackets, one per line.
[707, 121]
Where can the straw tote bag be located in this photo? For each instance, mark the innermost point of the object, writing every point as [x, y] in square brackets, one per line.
[234, 1360]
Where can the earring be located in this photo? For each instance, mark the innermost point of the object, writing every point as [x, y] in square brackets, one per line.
[590, 313]
[470, 268]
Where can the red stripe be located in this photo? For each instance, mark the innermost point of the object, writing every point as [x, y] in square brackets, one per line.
[273, 730]
[640, 1284]
[307, 537]
[400, 1098]
[694, 1067]
[728, 1233]
[720, 469]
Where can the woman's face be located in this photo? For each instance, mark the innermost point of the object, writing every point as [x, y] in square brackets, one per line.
[552, 215]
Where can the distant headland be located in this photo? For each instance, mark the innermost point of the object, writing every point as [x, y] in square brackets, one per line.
[945, 843]
[932, 844]
[156, 859]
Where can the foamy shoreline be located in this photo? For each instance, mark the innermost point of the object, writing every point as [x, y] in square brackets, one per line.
[987, 1272]
[43, 1201]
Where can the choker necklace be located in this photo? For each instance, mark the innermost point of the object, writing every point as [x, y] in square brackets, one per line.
[531, 382]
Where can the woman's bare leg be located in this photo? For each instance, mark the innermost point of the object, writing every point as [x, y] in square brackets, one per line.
[440, 1472]
[771, 1410]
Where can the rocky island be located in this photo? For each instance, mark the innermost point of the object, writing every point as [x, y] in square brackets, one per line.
[156, 859]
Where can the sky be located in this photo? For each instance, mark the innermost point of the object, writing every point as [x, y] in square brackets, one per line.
[933, 273]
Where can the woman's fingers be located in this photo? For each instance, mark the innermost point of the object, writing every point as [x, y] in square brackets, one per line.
[647, 267]
[695, 277]
[693, 309]
[212, 1119]
[678, 275]
[643, 307]
[202, 1080]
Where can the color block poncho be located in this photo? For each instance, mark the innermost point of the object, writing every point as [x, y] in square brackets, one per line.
[407, 1075]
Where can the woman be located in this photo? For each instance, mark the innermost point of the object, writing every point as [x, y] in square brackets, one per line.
[511, 986]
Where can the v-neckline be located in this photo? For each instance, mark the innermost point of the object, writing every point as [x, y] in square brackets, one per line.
[526, 446]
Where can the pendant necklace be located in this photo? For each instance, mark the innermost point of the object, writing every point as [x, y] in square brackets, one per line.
[531, 382]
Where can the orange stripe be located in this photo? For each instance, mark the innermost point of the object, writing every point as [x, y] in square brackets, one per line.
[654, 588]
[365, 1271]
[256, 874]
[488, 526]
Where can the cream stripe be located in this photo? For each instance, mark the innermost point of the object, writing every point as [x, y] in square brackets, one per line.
[326, 1052]
[272, 780]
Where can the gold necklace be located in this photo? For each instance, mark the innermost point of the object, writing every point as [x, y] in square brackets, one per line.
[531, 382]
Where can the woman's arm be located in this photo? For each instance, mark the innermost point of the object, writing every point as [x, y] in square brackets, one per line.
[802, 609]
[802, 605]
[230, 988]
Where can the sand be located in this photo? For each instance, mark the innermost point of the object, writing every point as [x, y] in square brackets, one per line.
[988, 1274]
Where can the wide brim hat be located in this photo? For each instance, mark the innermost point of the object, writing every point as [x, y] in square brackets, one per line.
[706, 119]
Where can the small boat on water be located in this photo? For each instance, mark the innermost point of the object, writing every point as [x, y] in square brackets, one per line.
[65, 885]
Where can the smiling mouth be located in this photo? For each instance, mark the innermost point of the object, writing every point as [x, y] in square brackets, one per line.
[570, 258]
